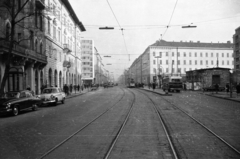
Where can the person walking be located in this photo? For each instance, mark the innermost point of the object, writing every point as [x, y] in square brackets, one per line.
[216, 88]
[153, 86]
[227, 88]
[238, 89]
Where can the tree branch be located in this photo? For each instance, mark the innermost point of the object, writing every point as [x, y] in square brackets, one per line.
[20, 9]
[23, 18]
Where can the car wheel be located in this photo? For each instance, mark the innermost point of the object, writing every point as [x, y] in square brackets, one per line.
[15, 110]
[34, 107]
[63, 100]
[56, 101]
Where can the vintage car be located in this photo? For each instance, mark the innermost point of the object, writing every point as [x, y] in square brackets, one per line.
[52, 95]
[16, 101]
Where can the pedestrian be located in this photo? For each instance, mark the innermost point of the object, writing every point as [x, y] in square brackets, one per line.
[227, 88]
[216, 88]
[238, 89]
[153, 86]
[71, 87]
[78, 87]
[28, 88]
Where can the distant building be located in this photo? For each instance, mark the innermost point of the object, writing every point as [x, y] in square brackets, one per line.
[87, 47]
[165, 58]
[236, 44]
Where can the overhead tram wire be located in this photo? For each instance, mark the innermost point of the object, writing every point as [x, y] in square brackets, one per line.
[120, 28]
[170, 18]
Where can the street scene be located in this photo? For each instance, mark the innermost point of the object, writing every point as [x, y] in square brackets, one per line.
[129, 79]
[120, 122]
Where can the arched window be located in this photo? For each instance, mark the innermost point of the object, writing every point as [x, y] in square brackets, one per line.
[60, 79]
[8, 30]
[41, 48]
[55, 78]
[36, 46]
[50, 77]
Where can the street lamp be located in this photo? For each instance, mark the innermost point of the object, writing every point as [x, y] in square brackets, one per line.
[230, 81]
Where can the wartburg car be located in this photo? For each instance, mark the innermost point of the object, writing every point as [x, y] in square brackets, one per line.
[52, 95]
[16, 101]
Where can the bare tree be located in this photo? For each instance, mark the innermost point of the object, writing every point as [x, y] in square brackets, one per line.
[16, 13]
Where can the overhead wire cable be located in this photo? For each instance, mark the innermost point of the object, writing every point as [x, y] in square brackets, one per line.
[120, 28]
[170, 18]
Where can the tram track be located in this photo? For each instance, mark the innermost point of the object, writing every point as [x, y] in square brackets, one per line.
[82, 128]
[196, 121]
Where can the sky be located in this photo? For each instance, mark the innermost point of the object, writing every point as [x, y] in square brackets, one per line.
[146, 21]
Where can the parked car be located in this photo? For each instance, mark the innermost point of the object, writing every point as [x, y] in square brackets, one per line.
[52, 95]
[16, 101]
[212, 88]
[94, 87]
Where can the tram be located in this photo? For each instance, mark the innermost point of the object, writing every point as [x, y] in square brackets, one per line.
[131, 84]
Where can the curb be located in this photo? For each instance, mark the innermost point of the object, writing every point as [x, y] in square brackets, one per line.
[226, 98]
[75, 95]
[156, 92]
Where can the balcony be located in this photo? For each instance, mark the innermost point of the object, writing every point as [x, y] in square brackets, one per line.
[66, 49]
[40, 4]
[66, 64]
[23, 52]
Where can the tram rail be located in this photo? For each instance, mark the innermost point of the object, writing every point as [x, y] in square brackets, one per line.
[82, 128]
[201, 124]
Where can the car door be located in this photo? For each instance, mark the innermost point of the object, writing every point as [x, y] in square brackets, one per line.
[22, 100]
[29, 100]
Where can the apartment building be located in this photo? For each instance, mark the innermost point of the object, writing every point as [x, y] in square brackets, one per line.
[165, 58]
[87, 47]
[22, 53]
[63, 47]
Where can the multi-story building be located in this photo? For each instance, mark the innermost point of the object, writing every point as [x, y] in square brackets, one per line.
[175, 58]
[22, 44]
[63, 47]
[236, 44]
[87, 47]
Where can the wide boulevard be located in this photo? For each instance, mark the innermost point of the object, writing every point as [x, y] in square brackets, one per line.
[122, 123]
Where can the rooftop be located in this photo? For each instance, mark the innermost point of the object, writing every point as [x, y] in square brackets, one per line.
[193, 44]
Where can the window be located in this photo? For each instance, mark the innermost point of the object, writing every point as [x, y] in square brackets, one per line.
[184, 54]
[8, 30]
[160, 54]
[200, 54]
[178, 54]
[222, 62]
[179, 70]
[206, 54]
[160, 62]
[60, 57]
[153, 53]
[36, 46]
[154, 62]
[190, 62]
[31, 40]
[195, 62]
[167, 70]
[166, 53]
[50, 51]
[212, 62]
[222, 54]
[227, 54]
[173, 70]
[227, 62]
[195, 54]
[172, 53]
[41, 22]
[166, 62]
[211, 54]
[41, 48]
[49, 25]
[206, 62]
[190, 54]
[184, 62]
[178, 62]
[201, 63]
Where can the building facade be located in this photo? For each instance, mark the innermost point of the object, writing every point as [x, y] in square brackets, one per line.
[63, 47]
[236, 44]
[175, 58]
[22, 44]
[87, 47]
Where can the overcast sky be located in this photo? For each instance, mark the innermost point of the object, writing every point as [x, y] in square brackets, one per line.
[144, 21]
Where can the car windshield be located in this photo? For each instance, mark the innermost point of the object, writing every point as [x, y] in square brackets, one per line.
[47, 91]
[10, 95]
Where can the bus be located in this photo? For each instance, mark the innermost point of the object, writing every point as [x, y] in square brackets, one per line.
[172, 83]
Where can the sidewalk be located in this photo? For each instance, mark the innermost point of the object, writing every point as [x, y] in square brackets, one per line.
[222, 95]
[78, 93]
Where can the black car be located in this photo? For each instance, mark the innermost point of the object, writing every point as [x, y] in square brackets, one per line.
[15, 101]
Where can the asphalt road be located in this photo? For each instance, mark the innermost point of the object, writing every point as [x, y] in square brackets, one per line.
[63, 131]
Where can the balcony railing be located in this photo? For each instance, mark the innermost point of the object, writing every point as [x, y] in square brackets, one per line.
[66, 64]
[22, 51]
[40, 4]
[66, 49]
